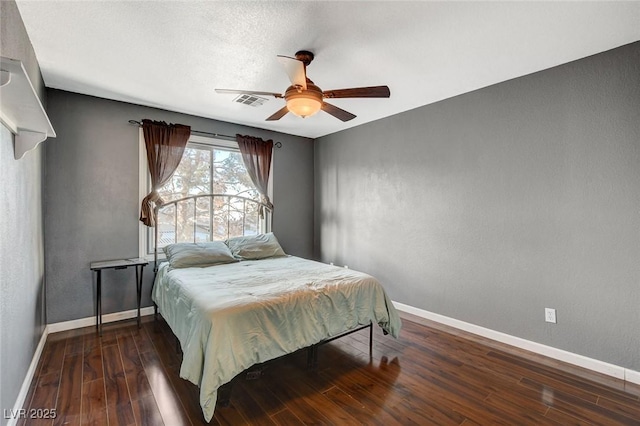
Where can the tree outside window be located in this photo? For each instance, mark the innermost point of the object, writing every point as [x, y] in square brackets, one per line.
[208, 169]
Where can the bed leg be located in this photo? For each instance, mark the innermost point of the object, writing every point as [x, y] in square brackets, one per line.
[312, 356]
[309, 356]
[155, 312]
[315, 356]
[224, 394]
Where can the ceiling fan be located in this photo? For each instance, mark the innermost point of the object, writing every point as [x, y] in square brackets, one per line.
[304, 98]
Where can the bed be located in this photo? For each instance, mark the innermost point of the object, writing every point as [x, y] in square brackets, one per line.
[253, 303]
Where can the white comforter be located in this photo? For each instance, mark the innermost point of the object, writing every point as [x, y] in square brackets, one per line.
[230, 317]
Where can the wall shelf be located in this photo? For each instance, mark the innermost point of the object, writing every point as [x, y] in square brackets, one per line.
[20, 108]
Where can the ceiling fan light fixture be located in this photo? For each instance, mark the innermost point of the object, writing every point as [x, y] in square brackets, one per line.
[304, 103]
[304, 106]
[304, 98]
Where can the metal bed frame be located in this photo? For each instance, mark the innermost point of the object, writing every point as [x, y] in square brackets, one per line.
[260, 207]
[224, 392]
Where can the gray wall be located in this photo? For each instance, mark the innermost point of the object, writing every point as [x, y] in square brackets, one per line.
[22, 315]
[490, 206]
[91, 198]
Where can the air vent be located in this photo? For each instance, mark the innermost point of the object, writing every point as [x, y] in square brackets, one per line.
[250, 100]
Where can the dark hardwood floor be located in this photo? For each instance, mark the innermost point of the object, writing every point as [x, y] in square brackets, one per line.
[432, 375]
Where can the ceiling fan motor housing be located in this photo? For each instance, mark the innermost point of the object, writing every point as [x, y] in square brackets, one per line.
[304, 56]
[304, 103]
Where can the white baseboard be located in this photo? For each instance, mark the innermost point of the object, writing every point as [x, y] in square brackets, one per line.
[632, 376]
[86, 322]
[64, 326]
[551, 352]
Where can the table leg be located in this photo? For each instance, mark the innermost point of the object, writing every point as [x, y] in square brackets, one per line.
[139, 288]
[371, 340]
[99, 303]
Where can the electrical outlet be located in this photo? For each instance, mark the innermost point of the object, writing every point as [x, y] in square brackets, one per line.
[550, 315]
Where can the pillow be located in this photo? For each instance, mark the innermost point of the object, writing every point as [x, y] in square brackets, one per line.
[255, 247]
[186, 255]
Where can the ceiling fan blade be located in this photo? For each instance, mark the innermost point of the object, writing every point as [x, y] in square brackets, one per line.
[338, 113]
[295, 69]
[247, 92]
[359, 92]
[278, 114]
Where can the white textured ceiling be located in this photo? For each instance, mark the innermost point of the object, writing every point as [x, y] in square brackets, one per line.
[172, 55]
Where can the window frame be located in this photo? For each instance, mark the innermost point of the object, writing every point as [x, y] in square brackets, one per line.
[144, 183]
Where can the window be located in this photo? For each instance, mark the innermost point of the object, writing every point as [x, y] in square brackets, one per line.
[208, 166]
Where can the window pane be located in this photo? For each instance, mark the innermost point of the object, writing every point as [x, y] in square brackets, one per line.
[185, 225]
[252, 219]
[192, 177]
[220, 218]
[230, 175]
[203, 220]
[236, 217]
[207, 169]
[166, 227]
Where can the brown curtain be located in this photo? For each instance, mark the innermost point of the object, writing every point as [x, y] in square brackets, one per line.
[256, 155]
[165, 145]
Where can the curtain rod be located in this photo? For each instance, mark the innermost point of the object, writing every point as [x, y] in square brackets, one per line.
[215, 135]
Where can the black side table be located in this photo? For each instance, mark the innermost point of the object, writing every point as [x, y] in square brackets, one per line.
[116, 264]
